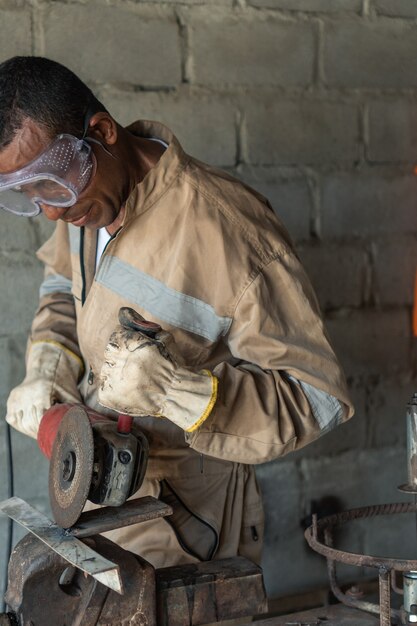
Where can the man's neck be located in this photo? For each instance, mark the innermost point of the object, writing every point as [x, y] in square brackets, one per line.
[114, 226]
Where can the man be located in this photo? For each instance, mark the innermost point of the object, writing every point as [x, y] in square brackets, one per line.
[242, 371]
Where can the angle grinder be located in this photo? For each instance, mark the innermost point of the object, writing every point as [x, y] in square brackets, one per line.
[92, 457]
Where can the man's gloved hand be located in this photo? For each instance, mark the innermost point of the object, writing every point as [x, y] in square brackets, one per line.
[52, 372]
[143, 374]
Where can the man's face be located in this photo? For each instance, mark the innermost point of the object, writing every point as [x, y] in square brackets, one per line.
[97, 205]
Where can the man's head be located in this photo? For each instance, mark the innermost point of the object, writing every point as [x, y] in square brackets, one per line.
[46, 92]
[40, 100]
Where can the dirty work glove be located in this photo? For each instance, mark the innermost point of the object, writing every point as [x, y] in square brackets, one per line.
[52, 372]
[143, 374]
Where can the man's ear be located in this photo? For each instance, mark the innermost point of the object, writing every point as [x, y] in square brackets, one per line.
[103, 127]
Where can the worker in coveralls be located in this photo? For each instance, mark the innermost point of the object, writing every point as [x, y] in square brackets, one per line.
[242, 371]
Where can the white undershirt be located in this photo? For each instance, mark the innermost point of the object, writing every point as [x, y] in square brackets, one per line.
[103, 237]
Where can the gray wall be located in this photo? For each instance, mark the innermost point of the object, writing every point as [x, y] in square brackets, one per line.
[314, 103]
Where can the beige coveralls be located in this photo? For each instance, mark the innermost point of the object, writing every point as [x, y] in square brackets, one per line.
[204, 256]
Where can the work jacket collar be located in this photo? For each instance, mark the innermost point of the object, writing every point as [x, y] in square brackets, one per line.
[161, 176]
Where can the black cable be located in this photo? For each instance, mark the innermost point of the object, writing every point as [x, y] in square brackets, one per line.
[10, 492]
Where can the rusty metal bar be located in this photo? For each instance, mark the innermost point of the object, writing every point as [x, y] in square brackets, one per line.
[107, 518]
[362, 605]
[384, 597]
[351, 558]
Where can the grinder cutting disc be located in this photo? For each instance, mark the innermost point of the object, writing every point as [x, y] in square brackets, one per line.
[71, 467]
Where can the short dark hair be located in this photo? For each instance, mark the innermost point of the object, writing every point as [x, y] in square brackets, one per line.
[47, 92]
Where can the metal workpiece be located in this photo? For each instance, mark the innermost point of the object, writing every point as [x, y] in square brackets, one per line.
[108, 518]
[71, 549]
[411, 425]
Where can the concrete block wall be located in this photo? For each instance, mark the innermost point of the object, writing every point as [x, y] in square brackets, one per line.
[314, 103]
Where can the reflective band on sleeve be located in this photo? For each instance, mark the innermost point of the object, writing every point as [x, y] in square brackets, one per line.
[74, 239]
[326, 409]
[55, 284]
[166, 304]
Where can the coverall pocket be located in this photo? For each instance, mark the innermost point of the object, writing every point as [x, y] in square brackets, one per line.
[195, 535]
[252, 530]
[251, 540]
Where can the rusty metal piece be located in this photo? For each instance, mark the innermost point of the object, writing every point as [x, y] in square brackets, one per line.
[351, 558]
[209, 592]
[109, 517]
[347, 600]
[385, 597]
[43, 589]
[384, 565]
[74, 551]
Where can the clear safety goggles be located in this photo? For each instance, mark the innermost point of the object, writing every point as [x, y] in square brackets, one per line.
[56, 177]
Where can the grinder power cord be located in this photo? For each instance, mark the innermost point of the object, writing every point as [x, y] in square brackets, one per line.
[144, 374]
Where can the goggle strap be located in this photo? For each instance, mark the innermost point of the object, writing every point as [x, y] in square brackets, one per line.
[99, 144]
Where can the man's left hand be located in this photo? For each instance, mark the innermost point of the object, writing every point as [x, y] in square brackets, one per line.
[143, 374]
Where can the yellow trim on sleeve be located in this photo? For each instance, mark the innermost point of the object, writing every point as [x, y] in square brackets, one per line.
[210, 406]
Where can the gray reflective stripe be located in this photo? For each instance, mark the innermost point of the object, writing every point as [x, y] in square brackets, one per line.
[74, 239]
[326, 409]
[55, 284]
[167, 304]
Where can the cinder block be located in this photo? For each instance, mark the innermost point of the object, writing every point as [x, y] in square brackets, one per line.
[289, 565]
[276, 477]
[250, 50]
[392, 135]
[377, 53]
[290, 198]
[15, 33]
[12, 362]
[390, 536]
[16, 233]
[338, 273]
[395, 270]
[20, 278]
[115, 44]
[284, 543]
[316, 6]
[387, 408]
[366, 205]
[372, 342]
[358, 478]
[396, 8]
[204, 126]
[301, 132]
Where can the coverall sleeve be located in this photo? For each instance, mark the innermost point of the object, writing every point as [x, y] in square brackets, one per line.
[287, 387]
[55, 318]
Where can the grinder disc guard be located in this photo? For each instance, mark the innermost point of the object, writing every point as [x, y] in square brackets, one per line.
[71, 467]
